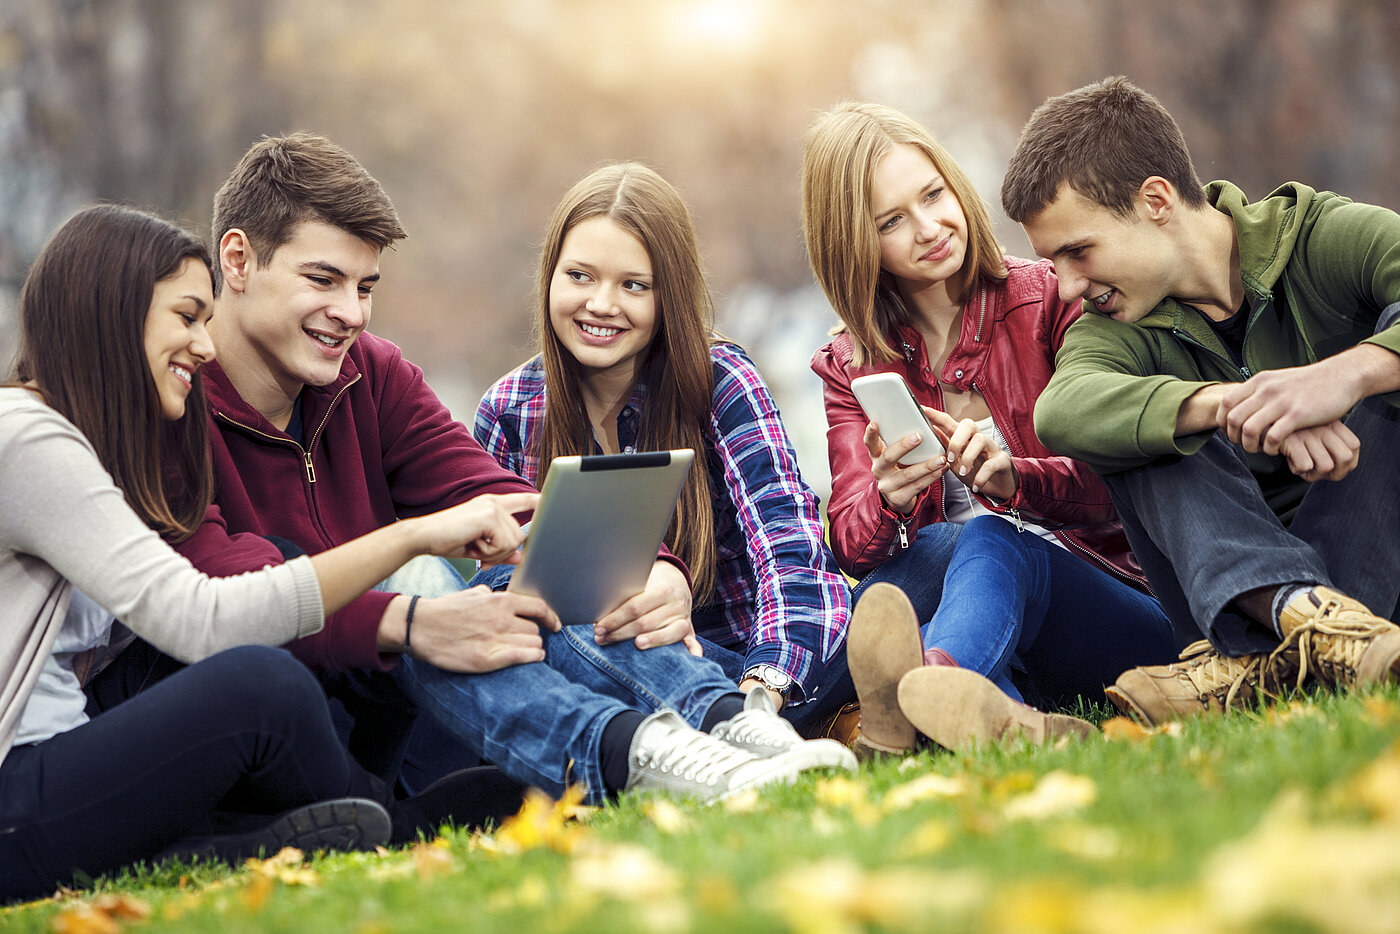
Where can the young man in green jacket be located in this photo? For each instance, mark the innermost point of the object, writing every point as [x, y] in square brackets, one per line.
[1236, 384]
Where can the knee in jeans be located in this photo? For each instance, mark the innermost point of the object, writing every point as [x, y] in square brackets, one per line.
[252, 676]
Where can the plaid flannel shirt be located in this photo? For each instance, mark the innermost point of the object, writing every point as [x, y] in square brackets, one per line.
[779, 598]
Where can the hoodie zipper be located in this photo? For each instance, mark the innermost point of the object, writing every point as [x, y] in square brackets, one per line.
[305, 452]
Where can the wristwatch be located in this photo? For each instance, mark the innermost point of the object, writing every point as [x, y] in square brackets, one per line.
[772, 677]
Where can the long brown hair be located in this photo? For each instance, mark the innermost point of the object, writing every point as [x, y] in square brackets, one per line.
[838, 171]
[82, 315]
[677, 370]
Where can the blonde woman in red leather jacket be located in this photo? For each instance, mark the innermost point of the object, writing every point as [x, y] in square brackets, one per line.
[998, 569]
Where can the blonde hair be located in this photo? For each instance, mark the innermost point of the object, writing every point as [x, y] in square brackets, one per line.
[677, 370]
[842, 150]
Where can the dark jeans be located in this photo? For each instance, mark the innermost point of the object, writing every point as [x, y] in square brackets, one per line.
[246, 730]
[1203, 533]
[371, 714]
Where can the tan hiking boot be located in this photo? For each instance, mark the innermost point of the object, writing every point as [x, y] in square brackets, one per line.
[1203, 681]
[882, 644]
[955, 706]
[1339, 640]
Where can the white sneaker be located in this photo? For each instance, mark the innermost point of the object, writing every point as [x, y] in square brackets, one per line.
[668, 755]
[758, 729]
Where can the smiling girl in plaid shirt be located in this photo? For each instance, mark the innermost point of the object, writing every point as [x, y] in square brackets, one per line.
[630, 363]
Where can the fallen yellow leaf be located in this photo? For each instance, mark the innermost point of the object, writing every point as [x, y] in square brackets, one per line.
[623, 871]
[431, 860]
[1377, 786]
[1130, 730]
[1055, 794]
[540, 822]
[924, 788]
[666, 816]
[1332, 876]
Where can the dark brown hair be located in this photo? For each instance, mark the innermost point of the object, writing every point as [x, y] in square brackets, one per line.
[82, 316]
[838, 171]
[1104, 140]
[283, 180]
[677, 370]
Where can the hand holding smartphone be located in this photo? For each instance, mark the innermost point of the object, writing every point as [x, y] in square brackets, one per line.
[888, 402]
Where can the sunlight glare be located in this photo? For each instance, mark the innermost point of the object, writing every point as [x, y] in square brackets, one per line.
[733, 24]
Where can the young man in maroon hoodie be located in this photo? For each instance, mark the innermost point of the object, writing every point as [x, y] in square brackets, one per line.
[322, 431]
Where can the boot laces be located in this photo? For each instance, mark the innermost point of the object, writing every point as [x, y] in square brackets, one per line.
[1331, 643]
[1209, 672]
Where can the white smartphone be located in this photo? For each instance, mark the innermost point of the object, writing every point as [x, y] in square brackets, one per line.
[888, 402]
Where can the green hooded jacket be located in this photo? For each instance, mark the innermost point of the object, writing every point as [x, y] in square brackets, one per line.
[1318, 270]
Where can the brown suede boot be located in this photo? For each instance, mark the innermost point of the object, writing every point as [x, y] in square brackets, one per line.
[1339, 640]
[955, 706]
[881, 645]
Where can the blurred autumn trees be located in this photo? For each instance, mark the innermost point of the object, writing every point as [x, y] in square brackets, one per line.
[477, 115]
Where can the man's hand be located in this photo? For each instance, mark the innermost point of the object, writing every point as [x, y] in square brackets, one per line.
[900, 487]
[483, 528]
[1261, 412]
[975, 459]
[658, 615]
[1324, 452]
[1265, 409]
[476, 630]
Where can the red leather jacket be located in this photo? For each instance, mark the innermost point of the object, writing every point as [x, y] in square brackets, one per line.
[1006, 351]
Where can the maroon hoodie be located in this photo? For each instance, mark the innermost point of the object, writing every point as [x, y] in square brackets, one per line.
[379, 446]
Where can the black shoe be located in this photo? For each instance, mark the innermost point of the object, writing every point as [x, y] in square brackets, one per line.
[467, 798]
[335, 824]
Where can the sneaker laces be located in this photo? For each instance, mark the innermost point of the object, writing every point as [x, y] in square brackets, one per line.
[694, 756]
[758, 728]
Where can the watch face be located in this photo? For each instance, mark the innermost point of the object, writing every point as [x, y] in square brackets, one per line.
[774, 677]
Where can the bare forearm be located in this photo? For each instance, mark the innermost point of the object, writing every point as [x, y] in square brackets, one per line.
[1200, 411]
[349, 570]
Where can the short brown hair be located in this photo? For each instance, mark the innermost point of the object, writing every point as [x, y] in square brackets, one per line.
[284, 180]
[82, 316]
[843, 245]
[677, 371]
[1105, 140]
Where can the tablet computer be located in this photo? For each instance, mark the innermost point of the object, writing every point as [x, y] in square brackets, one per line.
[597, 529]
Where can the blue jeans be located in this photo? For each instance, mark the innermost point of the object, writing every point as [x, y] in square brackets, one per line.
[919, 571]
[1014, 602]
[541, 723]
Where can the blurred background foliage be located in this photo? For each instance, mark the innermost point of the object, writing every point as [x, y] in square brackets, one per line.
[477, 115]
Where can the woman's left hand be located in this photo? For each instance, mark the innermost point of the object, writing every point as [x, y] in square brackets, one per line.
[975, 459]
[658, 615]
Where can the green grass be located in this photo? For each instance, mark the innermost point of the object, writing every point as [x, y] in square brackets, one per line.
[1286, 820]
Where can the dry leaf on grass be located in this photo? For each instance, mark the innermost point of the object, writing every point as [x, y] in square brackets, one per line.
[103, 915]
[1056, 794]
[1334, 876]
[1377, 786]
[1130, 730]
[666, 816]
[540, 822]
[848, 795]
[622, 871]
[924, 788]
[836, 896]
